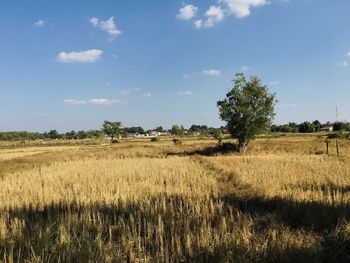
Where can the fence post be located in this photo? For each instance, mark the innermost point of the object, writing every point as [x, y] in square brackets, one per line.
[337, 146]
[327, 146]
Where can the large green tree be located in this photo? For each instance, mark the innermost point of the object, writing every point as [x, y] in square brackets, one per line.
[248, 109]
[112, 129]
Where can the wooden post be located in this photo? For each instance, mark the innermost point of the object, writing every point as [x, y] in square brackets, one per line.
[327, 146]
[337, 146]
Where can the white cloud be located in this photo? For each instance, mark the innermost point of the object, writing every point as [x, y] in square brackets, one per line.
[147, 95]
[39, 23]
[185, 93]
[273, 83]
[288, 105]
[125, 92]
[86, 56]
[187, 12]
[245, 68]
[348, 54]
[214, 15]
[343, 64]
[211, 72]
[108, 26]
[102, 101]
[94, 101]
[94, 21]
[241, 8]
[74, 102]
[198, 23]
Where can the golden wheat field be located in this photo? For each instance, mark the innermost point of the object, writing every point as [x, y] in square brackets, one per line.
[283, 201]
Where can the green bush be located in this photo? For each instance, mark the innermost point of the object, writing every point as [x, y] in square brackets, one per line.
[155, 139]
[177, 141]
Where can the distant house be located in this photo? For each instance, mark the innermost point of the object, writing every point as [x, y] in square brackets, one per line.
[196, 133]
[153, 134]
[326, 128]
[135, 135]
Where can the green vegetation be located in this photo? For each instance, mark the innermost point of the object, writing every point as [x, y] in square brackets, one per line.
[248, 110]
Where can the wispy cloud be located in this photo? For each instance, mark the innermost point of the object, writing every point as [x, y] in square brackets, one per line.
[40, 23]
[185, 93]
[94, 101]
[343, 63]
[127, 92]
[147, 95]
[102, 101]
[198, 23]
[187, 12]
[245, 68]
[87, 56]
[107, 26]
[288, 105]
[211, 72]
[74, 102]
[273, 83]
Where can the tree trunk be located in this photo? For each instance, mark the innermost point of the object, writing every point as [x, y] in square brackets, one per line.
[242, 146]
[112, 137]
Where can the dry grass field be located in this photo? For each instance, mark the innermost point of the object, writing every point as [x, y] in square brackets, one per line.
[284, 201]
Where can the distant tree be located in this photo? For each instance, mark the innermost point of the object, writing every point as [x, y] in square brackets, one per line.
[70, 135]
[248, 109]
[306, 127]
[176, 130]
[93, 134]
[198, 128]
[340, 126]
[81, 135]
[53, 134]
[112, 129]
[217, 134]
[159, 129]
[138, 130]
[317, 124]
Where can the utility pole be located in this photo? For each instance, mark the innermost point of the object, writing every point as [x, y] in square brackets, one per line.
[336, 113]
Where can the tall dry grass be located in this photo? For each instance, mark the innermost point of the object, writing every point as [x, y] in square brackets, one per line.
[157, 202]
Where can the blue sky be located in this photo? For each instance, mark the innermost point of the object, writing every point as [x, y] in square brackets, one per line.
[73, 64]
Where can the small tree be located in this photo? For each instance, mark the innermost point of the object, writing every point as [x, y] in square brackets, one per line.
[176, 130]
[217, 134]
[248, 109]
[112, 129]
[306, 127]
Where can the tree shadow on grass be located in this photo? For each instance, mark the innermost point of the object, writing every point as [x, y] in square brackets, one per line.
[325, 220]
[70, 232]
[219, 149]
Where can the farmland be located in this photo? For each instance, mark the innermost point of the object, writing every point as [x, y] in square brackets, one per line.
[285, 200]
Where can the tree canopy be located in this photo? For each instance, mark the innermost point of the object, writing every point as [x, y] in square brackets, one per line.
[248, 109]
[112, 129]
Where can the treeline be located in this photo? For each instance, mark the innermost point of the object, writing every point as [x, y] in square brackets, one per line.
[177, 130]
[310, 127]
[52, 134]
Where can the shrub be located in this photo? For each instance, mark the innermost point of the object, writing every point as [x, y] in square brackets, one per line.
[177, 141]
[155, 139]
[332, 136]
[114, 141]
